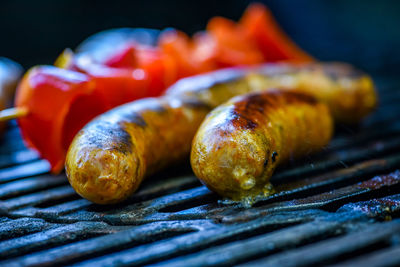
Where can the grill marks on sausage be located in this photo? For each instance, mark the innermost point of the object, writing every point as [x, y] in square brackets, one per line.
[245, 113]
[109, 136]
[203, 83]
[195, 104]
[296, 97]
[135, 118]
[239, 120]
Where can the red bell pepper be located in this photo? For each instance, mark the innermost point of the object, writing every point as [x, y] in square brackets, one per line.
[60, 102]
[233, 45]
[261, 27]
[177, 45]
[125, 58]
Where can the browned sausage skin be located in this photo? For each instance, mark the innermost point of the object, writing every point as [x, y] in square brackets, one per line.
[110, 156]
[240, 143]
[349, 93]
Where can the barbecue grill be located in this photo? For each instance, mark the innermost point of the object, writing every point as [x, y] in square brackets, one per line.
[340, 206]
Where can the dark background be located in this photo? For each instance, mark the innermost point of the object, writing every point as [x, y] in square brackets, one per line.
[365, 33]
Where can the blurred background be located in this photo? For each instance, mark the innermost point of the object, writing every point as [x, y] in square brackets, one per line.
[365, 33]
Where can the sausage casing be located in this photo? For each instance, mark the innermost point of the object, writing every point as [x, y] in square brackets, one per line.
[110, 156]
[240, 143]
[348, 92]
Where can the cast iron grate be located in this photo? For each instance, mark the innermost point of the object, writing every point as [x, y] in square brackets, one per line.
[341, 206]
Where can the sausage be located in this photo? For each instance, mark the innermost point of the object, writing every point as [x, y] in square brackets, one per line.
[240, 143]
[349, 93]
[109, 157]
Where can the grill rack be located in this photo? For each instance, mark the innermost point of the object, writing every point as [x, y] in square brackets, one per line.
[340, 206]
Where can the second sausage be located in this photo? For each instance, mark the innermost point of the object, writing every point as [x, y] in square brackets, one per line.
[240, 143]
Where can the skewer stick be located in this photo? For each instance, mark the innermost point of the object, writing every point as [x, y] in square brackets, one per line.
[13, 113]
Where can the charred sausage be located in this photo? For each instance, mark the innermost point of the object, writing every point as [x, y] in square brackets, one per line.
[349, 93]
[240, 143]
[109, 157]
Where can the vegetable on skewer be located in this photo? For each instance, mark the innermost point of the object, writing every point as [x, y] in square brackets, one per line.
[53, 103]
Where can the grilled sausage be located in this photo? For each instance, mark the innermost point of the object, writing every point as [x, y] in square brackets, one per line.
[110, 156]
[240, 143]
[349, 93]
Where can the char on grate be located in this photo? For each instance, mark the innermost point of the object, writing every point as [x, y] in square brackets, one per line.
[341, 206]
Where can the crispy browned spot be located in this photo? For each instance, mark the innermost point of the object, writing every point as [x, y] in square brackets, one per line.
[195, 103]
[246, 111]
[106, 135]
[134, 118]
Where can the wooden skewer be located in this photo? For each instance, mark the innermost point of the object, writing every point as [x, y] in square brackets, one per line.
[13, 113]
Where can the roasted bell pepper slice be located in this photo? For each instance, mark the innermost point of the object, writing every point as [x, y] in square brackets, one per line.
[159, 67]
[138, 71]
[60, 102]
[204, 51]
[272, 42]
[124, 58]
[118, 86]
[232, 44]
[177, 45]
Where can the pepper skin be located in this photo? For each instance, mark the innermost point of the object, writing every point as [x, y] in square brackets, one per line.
[60, 102]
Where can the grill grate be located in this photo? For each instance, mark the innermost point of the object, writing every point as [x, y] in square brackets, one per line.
[340, 206]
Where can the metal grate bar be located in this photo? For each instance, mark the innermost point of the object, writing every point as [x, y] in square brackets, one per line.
[326, 251]
[344, 194]
[60, 235]
[291, 236]
[23, 226]
[353, 192]
[339, 159]
[22, 171]
[385, 257]
[382, 208]
[126, 214]
[223, 234]
[174, 220]
[289, 191]
[134, 236]
[37, 198]
[19, 157]
[28, 185]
